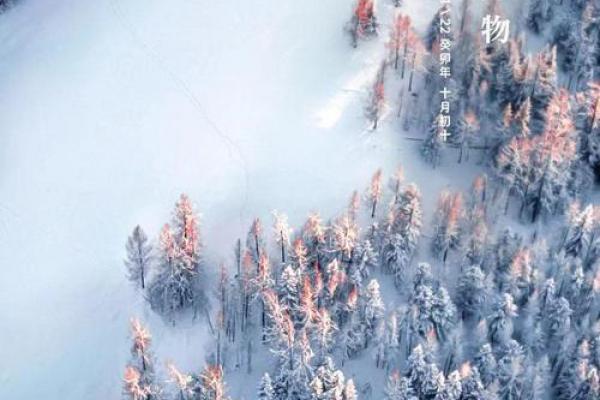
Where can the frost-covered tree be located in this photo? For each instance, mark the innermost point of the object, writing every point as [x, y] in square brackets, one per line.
[374, 109]
[452, 389]
[373, 309]
[139, 378]
[472, 292]
[500, 321]
[329, 383]
[401, 233]
[179, 282]
[281, 231]
[447, 224]
[424, 375]
[540, 12]
[265, 389]
[485, 361]
[139, 257]
[363, 24]
[511, 371]
[399, 388]
[374, 192]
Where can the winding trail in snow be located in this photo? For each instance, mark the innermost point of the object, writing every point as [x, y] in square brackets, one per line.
[234, 150]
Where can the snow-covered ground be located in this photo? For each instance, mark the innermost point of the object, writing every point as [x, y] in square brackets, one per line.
[112, 108]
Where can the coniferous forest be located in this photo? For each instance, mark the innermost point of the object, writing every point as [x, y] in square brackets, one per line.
[417, 184]
[496, 295]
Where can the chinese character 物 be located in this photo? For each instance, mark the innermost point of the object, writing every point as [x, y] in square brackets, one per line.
[494, 28]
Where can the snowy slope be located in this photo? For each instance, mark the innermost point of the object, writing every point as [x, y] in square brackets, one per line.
[112, 108]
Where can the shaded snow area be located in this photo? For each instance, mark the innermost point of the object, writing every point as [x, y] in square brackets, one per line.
[112, 108]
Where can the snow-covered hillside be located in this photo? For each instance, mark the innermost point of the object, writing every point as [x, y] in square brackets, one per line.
[112, 108]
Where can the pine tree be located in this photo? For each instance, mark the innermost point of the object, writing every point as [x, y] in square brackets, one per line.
[329, 383]
[139, 380]
[433, 144]
[288, 289]
[452, 388]
[447, 224]
[443, 313]
[510, 371]
[282, 232]
[255, 242]
[554, 152]
[424, 375]
[374, 192]
[399, 38]
[558, 321]
[399, 388]
[486, 364]
[540, 13]
[265, 389]
[472, 388]
[466, 134]
[501, 320]
[179, 282]
[374, 108]
[213, 384]
[314, 235]
[183, 382]
[402, 231]
[139, 257]
[373, 309]
[350, 391]
[345, 236]
[363, 24]
[472, 293]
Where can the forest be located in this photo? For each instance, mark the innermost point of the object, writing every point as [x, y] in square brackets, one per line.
[497, 296]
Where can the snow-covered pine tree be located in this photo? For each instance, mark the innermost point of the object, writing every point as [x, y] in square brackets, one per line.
[401, 233]
[452, 389]
[366, 259]
[543, 87]
[139, 257]
[472, 293]
[511, 369]
[281, 232]
[485, 361]
[184, 383]
[139, 379]
[288, 289]
[424, 375]
[374, 192]
[363, 24]
[213, 384]
[265, 389]
[376, 103]
[466, 134]
[350, 392]
[500, 321]
[329, 383]
[255, 242]
[553, 154]
[179, 283]
[373, 309]
[399, 37]
[345, 237]
[447, 224]
[472, 388]
[432, 145]
[399, 388]
[540, 12]
[314, 235]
